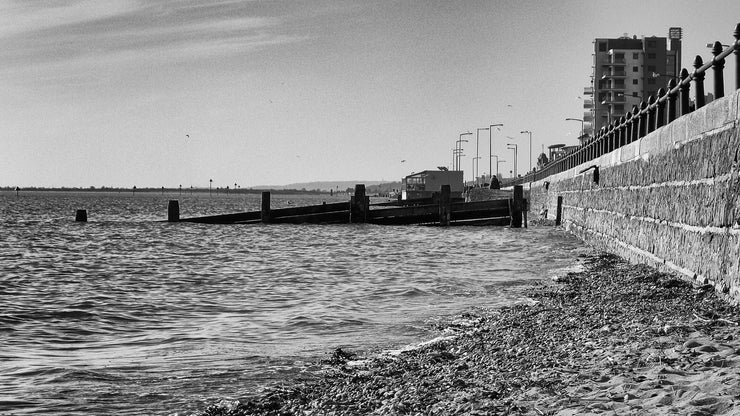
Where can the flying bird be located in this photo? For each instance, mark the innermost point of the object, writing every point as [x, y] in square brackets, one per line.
[403, 160]
[187, 135]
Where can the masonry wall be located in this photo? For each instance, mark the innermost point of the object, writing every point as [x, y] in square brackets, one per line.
[670, 199]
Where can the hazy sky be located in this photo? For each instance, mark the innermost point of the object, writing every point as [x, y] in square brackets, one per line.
[104, 92]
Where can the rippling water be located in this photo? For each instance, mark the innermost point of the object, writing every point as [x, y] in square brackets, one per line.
[126, 314]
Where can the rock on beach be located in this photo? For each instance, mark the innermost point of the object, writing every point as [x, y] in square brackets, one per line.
[611, 338]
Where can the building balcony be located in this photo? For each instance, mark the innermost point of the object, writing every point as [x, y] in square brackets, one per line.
[619, 99]
[613, 88]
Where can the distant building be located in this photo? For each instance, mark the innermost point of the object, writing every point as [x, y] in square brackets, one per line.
[423, 184]
[626, 71]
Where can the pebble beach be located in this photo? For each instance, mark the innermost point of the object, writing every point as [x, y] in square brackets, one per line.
[610, 339]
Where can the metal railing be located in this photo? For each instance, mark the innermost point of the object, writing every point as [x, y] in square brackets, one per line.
[649, 115]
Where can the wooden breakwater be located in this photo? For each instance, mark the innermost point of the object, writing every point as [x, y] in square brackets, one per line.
[444, 212]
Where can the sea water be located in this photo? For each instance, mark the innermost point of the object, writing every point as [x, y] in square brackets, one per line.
[129, 315]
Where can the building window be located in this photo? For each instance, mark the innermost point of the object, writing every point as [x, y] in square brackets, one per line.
[651, 68]
[635, 82]
[602, 46]
[635, 55]
[651, 56]
[635, 69]
[619, 83]
[651, 44]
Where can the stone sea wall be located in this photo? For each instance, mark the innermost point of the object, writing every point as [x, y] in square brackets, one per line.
[670, 199]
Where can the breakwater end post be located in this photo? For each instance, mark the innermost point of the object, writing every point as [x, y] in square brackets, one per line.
[81, 215]
[517, 206]
[173, 211]
[559, 211]
[445, 206]
[359, 205]
[265, 212]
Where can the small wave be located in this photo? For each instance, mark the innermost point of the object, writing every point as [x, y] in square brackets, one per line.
[414, 292]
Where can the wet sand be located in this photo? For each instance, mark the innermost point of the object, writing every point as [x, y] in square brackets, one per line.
[613, 338]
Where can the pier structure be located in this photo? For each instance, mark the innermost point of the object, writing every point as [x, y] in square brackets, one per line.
[439, 210]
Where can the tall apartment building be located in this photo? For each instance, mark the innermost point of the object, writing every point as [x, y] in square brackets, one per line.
[626, 71]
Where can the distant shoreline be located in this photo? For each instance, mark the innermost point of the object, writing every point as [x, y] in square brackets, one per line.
[10, 189]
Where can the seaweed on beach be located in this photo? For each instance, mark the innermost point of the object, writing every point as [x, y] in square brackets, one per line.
[614, 337]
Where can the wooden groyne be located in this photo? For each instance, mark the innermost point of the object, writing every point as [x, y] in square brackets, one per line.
[444, 212]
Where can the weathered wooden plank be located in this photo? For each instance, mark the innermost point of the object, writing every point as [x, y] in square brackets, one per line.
[423, 218]
[336, 217]
[467, 215]
[404, 211]
[468, 206]
[226, 218]
[310, 209]
[503, 221]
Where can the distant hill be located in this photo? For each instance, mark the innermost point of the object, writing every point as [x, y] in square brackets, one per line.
[371, 186]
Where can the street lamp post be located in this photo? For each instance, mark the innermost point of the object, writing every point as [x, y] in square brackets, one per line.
[459, 147]
[490, 147]
[210, 184]
[475, 163]
[497, 169]
[477, 157]
[577, 119]
[516, 154]
[497, 162]
[530, 147]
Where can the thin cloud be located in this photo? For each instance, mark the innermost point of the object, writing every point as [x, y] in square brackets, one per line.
[78, 35]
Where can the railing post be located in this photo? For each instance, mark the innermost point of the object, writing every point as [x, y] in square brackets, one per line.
[651, 113]
[628, 128]
[672, 96]
[685, 86]
[642, 124]
[698, 83]
[591, 146]
[635, 124]
[660, 109]
[621, 132]
[718, 65]
[604, 140]
[737, 56]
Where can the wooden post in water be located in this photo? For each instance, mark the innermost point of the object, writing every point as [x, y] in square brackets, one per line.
[525, 211]
[173, 211]
[359, 205]
[265, 214]
[517, 205]
[559, 212]
[81, 215]
[445, 206]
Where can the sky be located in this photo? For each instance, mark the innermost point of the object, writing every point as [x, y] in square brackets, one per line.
[267, 92]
